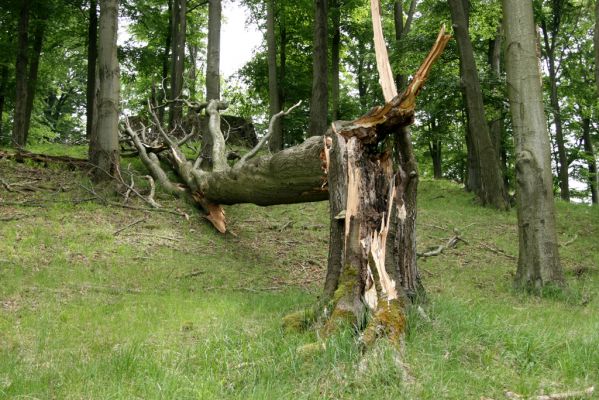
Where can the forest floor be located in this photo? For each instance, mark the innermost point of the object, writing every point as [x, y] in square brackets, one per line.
[104, 302]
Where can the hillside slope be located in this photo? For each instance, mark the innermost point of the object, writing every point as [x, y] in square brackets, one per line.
[94, 307]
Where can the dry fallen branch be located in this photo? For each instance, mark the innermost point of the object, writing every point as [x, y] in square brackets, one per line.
[130, 225]
[556, 396]
[451, 243]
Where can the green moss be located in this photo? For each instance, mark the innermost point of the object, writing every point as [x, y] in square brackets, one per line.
[299, 321]
[389, 320]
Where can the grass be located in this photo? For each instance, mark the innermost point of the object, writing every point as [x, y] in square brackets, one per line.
[169, 309]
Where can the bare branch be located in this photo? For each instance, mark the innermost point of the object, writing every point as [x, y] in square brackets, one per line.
[152, 163]
[266, 137]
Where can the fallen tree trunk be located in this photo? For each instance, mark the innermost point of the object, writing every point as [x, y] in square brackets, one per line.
[367, 169]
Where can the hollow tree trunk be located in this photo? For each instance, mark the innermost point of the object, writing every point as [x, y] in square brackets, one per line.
[320, 91]
[591, 160]
[276, 141]
[104, 149]
[20, 112]
[491, 191]
[177, 60]
[92, 57]
[538, 261]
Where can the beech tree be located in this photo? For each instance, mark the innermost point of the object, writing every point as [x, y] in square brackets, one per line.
[19, 135]
[489, 187]
[92, 57]
[320, 91]
[104, 143]
[276, 140]
[178, 34]
[538, 261]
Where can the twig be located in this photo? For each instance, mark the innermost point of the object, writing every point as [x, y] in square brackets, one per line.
[569, 242]
[130, 225]
[155, 236]
[497, 251]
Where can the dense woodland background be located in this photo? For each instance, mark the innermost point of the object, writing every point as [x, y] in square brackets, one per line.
[46, 45]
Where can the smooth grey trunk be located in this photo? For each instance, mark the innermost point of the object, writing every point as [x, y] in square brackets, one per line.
[591, 159]
[491, 191]
[38, 39]
[92, 65]
[177, 60]
[166, 61]
[496, 125]
[20, 112]
[104, 148]
[538, 261]
[213, 61]
[193, 70]
[3, 86]
[335, 56]
[320, 91]
[276, 140]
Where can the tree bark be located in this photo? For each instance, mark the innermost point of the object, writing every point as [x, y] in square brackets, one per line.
[335, 56]
[591, 160]
[177, 60]
[20, 112]
[276, 140]
[3, 86]
[166, 61]
[320, 90]
[491, 191]
[401, 30]
[38, 39]
[104, 149]
[213, 62]
[435, 148]
[596, 45]
[549, 53]
[538, 261]
[92, 57]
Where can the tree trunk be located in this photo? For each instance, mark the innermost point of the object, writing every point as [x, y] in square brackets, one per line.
[596, 45]
[104, 149]
[178, 61]
[166, 61]
[401, 30]
[276, 140]
[335, 57]
[538, 262]
[491, 191]
[92, 57]
[193, 69]
[38, 38]
[591, 160]
[435, 148]
[320, 90]
[563, 163]
[3, 85]
[213, 62]
[20, 113]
